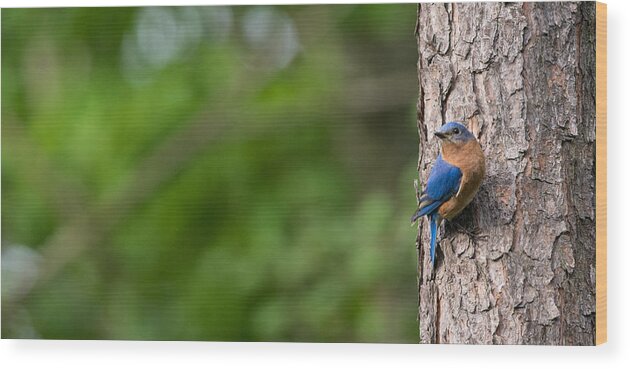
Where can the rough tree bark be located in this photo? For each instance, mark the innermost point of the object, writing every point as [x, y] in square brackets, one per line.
[521, 76]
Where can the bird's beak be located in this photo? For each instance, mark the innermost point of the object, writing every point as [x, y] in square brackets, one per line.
[440, 135]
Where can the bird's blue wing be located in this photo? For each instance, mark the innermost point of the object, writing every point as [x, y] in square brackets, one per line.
[443, 183]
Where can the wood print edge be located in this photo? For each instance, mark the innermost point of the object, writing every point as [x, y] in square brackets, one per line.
[600, 175]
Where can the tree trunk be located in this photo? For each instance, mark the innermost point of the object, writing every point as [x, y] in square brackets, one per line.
[518, 265]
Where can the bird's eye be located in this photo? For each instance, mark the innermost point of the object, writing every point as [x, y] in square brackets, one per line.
[456, 131]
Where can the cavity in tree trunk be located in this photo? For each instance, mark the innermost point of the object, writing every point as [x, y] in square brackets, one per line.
[521, 76]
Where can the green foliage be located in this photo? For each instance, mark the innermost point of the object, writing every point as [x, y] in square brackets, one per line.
[209, 173]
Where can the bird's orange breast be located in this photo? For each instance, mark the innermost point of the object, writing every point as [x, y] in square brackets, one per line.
[469, 158]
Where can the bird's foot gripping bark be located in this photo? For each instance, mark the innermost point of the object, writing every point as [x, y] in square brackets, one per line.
[473, 232]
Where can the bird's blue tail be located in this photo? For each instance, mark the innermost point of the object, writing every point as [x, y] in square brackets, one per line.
[434, 223]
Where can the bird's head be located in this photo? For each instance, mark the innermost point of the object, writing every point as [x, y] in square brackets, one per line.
[454, 132]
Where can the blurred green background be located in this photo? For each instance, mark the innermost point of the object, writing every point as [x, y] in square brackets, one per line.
[209, 173]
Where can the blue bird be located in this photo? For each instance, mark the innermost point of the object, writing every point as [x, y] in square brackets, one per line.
[454, 179]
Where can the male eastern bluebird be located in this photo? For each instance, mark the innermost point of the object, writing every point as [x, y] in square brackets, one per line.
[454, 179]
